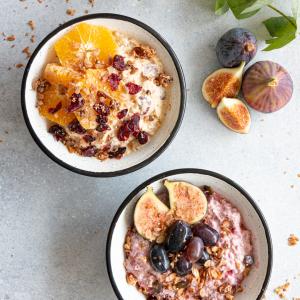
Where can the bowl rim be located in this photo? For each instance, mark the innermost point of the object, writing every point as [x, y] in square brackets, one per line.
[183, 95]
[178, 172]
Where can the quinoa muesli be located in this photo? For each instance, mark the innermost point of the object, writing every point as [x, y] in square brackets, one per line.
[203, 254]
[107, 94]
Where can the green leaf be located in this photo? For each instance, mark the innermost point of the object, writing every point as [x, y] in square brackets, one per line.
[257, 6]
[221, 7]
[282, 29]
[239, 6]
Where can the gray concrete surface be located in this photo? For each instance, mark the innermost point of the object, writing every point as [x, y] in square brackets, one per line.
[53, 223]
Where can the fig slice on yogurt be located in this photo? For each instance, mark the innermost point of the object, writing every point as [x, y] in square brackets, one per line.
[150, 216]
[234, 114]
[187, 202]
[224, 82]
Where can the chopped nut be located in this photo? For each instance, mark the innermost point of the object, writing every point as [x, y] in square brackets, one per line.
[27, 52]
[131, 279]
[18, 66]
[293, 240]
[280, 291]
[32, 39]
[31, 24]
[143, 51]
[163, 80]
[10, 38]
[70, 11]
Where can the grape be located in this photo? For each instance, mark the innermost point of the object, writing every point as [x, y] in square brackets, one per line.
[208, 235]
[204, 258]
[180, 233]
[248, 260]
[183, 266]
[159, 259]
[194, 249]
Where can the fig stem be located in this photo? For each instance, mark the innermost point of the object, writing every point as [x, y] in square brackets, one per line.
[272, 82]
[282, 14]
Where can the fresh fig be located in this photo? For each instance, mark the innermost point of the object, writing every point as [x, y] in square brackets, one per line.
[234, 114]
[222, 83]
[267, 86]
[235, 46]
[150, 216]
[187, 201]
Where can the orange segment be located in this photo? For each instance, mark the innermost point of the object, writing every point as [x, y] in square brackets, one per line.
[57, 74]
[85, 44]
[51, 98]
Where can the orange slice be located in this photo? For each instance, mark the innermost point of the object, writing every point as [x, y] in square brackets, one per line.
[57, 74]
[51, 99]
[84, 44]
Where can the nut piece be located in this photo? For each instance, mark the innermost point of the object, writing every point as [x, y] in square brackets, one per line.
[222, 83]
[293, 240]
[234, 114]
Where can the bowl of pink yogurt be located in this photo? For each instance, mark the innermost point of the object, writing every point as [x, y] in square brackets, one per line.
[239, 262]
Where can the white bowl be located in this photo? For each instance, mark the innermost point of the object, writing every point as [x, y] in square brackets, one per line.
[254, 285]
[37, 125]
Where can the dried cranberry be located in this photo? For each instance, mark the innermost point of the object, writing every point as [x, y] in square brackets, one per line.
[89, 138]
[134, 123]
[76, 102]
[123, 133]
[102, 127]
[58, 132]
[119, 63]
[142, 137]
[89, 151]
[118, 153]
[114, 80]
[102, 109]
[133, 88]
[122, 113]
[55, 109]
[76, 127]
[101, 119]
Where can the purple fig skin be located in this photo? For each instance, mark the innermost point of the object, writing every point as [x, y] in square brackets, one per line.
[235, 46]
[267, 86]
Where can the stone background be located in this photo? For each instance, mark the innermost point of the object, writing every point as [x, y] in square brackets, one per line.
[53, 223]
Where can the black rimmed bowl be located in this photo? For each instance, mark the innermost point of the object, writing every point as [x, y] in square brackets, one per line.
[37, 125]
[254, 285]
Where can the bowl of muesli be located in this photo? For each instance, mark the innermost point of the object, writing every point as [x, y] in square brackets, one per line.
[189, 234]
[103, 95]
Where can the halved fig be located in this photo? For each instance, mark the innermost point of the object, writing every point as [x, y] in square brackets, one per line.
[234, 114]
[150, 216]
[187, 201]
[222, 83]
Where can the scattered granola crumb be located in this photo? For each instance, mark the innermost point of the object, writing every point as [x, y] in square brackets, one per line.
[32, 39]
[92, 2]
[31, 24]
[293, 240]
[6, 131]
[12, 46]
[18, 66]
[292, 186]
[26, 34]
[40, 1]
[9, 68]
[27, 52]
[10, 38]
[284, 172]
[280, 291]
[70, 11]
[1, 141]
[86, 11]
[298, 175]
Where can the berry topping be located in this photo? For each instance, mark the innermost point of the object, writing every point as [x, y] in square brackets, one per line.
[142, 137]
[89, 151]
[114, 80]
[89, 138]
[76, 127]
[53, 110]
[58, 132]
[133, 88]
[102, 109]
[101, 119]
[119, 63]
[122, 113]
[118, 153]
[76, 102]
[102, 127]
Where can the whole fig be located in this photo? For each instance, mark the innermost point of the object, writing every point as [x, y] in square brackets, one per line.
[235, 46]
[267, 86]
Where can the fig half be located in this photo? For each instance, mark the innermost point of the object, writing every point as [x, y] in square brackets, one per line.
[234, 114]
[267, 86]
[187, 201]
[224, 82]
[150, 216]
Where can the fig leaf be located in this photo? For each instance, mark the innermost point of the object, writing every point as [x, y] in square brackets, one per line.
[221, 7]
[257, 6]
[239, 6]
[282, 29]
